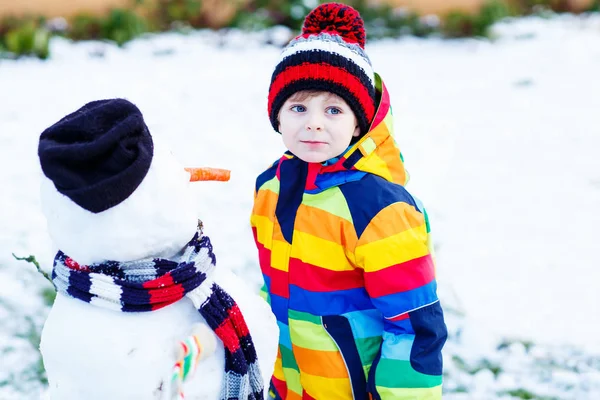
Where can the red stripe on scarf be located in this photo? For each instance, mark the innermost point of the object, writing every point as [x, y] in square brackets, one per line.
[236, 316]
[226, 332]
[164, 281]
[72, 264]
[163, 291]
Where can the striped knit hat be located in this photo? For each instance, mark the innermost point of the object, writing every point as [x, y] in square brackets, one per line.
[329, 56]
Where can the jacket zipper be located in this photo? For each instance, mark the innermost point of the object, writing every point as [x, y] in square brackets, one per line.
[342, 354]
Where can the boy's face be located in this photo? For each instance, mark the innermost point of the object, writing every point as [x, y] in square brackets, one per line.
[317, 126]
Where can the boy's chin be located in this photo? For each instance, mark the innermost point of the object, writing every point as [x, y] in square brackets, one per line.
[313, 158]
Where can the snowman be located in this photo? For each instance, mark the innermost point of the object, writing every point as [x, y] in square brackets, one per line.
[141, 312]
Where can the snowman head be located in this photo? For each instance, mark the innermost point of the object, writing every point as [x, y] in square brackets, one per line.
[110, 191]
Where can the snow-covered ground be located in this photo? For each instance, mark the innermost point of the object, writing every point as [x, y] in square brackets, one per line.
[501, 139]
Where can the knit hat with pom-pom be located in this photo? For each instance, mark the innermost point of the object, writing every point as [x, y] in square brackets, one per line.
[328, 55]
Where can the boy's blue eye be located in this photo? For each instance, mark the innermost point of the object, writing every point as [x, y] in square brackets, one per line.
[298, 108]
[334, 110]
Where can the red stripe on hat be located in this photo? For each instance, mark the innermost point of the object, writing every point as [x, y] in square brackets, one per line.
[325, 72]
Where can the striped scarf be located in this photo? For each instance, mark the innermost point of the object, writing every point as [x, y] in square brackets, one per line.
[151, 284]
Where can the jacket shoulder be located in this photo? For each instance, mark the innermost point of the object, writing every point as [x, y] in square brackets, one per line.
[266, 175]
[368, 196]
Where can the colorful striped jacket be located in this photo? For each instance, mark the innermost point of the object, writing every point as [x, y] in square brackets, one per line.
[346, 258]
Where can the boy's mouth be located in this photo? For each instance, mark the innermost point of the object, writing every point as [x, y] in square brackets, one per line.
[312, 142]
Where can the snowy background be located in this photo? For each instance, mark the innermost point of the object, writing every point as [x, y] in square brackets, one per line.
[501, 139]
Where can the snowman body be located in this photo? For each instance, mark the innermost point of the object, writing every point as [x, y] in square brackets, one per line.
[98, 354]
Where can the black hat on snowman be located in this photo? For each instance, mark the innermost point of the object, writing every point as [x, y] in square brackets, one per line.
[98, 155]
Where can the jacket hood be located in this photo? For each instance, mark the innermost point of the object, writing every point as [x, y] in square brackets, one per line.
[375, 153]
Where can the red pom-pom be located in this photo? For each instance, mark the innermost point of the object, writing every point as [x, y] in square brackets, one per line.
[336, 18]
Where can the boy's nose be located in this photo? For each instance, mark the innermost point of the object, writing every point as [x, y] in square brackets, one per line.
[314, 123]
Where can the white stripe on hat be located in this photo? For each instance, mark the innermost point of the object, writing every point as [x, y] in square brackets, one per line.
[325, 43]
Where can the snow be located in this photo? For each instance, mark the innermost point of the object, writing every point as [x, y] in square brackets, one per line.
[500, 138]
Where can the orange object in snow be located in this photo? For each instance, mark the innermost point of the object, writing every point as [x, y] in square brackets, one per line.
[208, 174]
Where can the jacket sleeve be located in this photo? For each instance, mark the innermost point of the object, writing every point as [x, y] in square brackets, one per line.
[264, 292]
[399, 272]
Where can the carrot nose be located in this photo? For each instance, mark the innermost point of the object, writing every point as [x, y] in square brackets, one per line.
[208, 174]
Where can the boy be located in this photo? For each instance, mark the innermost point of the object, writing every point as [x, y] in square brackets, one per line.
[343, 247]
